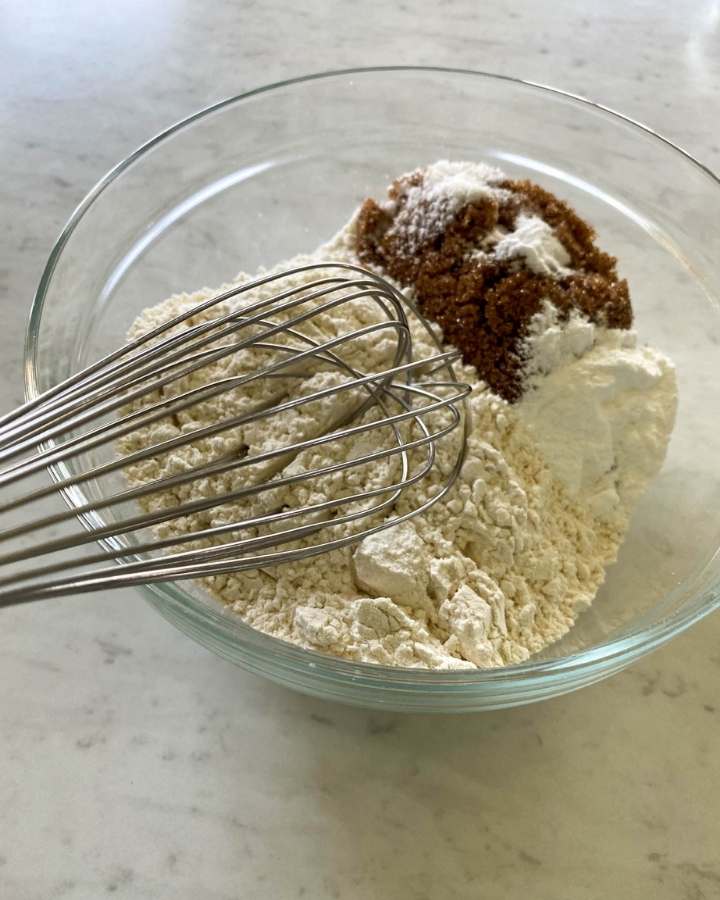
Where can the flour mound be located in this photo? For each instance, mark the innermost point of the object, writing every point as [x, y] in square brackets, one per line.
[601, 409]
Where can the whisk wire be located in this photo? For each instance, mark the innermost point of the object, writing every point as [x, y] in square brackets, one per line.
[79, 381]
[67, 416]
[137, 387]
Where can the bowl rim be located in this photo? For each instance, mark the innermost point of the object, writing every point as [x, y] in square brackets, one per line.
[609, 654]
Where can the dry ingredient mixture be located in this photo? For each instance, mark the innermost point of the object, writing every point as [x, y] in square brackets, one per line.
[571, 420]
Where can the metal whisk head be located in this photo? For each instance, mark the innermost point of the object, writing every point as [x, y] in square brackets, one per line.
[234, 436]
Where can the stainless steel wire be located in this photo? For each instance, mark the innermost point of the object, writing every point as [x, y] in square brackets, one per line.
[406, 406]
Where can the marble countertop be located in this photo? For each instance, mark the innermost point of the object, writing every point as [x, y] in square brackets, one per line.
[135, 764]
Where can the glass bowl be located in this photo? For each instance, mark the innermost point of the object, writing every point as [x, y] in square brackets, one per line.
[262, 176]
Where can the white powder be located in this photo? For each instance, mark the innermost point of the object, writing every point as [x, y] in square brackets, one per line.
[394, 565]
[459, 183]
[446, 187]
[552, 343]
[534, 241]
[492, 575]
[600, 408]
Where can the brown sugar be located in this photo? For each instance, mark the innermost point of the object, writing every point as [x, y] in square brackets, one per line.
[484, 304]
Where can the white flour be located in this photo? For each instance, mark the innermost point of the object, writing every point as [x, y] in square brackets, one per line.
[601, 409]
[446, 187]
[534, 241]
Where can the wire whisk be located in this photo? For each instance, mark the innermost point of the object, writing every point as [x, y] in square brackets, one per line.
[355, 418]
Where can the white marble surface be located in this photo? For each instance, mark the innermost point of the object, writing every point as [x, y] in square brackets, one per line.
[135, 764]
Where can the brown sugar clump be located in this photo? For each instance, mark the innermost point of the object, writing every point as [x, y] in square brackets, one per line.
[483, 304]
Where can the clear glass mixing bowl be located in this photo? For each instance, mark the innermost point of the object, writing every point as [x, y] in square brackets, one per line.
[262, 176]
